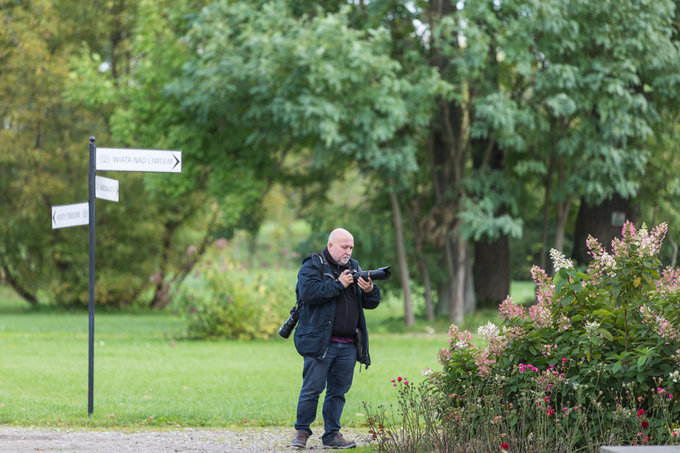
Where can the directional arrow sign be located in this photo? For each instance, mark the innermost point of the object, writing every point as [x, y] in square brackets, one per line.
[106, 188]
[68, 215]
[153, 160]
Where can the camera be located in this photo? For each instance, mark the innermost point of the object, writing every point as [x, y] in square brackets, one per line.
[382, 273]
[288, 326]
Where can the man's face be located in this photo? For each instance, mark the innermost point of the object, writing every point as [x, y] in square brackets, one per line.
[340, 248]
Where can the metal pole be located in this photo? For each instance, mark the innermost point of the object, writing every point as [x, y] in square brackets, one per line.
[90, 373]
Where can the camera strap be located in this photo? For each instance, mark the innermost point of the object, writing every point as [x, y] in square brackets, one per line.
[298, 303]
[322, 262]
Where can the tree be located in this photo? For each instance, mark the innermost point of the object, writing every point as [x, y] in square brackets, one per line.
[143, 115]
[314, 86]
[604, 70]
[38, 139]
[48, 114]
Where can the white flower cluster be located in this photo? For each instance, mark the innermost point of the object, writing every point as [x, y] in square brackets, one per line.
[489, 331]
[675, 376]
[559, 260]
[591, 327]
[608, 263]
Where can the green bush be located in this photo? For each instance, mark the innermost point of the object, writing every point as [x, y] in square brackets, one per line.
[594, 362]
[221, 299]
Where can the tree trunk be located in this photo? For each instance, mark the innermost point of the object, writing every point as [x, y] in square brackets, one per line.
[491, 272]
[449, 158]
[491, 269]
[457, 305]
[547, 184]
[603, 221]
[412, 214]
[409, 317]
[561, 222]
[20, 289]
[447, 289]
[470, 304]
[165, 288]
[427, 284]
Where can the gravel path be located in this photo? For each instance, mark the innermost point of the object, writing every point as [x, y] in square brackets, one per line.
[22, 440]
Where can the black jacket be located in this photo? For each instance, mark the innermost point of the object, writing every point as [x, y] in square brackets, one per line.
[317, 290]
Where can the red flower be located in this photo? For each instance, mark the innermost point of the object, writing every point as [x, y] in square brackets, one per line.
[505, 446]
[641, 412]
[644, 424]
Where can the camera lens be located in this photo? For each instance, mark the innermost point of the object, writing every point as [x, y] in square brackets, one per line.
[287, 327]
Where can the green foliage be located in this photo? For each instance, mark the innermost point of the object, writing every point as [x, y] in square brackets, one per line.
[489, 193]
[222, 299]
[592, 83]
[595, 361]
[44, 158]
[266, 94]
[49, 113]
[314, 83]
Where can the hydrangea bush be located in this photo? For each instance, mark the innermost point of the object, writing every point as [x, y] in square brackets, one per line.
[595, 361]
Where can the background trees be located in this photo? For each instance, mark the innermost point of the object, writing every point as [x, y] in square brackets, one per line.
[466, 136]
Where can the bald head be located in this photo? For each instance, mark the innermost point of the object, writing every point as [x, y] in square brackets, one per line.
[340, 245]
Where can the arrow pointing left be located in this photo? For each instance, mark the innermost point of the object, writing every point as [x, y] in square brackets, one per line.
[68, 215]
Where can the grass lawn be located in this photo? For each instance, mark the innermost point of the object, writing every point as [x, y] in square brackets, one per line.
[145, 374]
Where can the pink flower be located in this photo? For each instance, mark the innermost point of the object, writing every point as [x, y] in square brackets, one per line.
[670, 395]
[399, 379]
[508, 310]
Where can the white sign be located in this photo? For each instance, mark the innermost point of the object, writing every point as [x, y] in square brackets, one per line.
[68, 215]
[153, 160]
[106, 188]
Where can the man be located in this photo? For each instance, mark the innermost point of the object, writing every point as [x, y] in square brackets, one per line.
[331, 335]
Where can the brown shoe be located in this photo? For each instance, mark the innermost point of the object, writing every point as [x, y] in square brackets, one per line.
[339, 442]
[300, 439]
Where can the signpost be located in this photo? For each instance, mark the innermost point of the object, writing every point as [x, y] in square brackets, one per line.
[139, 160]
[107, 188]
[108, 159]
[68, 215]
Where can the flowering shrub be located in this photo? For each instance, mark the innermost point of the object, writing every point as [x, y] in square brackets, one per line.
[595, 361]
[221, 299]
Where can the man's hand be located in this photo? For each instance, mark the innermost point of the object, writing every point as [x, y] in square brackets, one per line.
[346, 278]
[365, 285]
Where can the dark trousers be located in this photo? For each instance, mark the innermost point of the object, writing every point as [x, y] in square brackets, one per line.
[334, 373]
